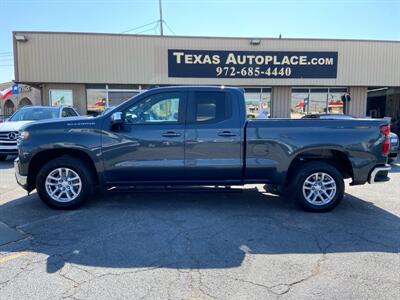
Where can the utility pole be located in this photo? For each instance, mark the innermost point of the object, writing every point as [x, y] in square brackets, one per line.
[161, 19]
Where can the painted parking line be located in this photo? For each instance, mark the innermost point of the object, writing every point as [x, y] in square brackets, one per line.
[12, 256]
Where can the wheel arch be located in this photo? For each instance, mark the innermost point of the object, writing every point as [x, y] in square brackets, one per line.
[333, 156]
[42, 157]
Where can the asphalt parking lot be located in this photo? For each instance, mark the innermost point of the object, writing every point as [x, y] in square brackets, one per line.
[243, 245]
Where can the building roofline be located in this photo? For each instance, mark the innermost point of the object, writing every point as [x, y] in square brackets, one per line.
[203, 37]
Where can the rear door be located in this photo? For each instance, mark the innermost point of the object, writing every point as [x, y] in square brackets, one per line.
[213, 139]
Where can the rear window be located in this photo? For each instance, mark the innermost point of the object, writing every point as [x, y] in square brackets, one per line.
[211, 107]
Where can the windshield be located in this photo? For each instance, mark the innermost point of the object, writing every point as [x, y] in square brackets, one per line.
[34, 114]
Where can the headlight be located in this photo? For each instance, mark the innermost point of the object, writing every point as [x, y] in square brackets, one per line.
[24, 135]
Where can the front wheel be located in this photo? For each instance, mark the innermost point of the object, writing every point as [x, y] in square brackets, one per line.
[64, 182]
[319, 186]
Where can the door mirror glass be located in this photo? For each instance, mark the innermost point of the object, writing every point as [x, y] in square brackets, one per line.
[116, 118]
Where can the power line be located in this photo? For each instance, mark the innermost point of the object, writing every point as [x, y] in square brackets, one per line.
[169, 28]
[142, 26]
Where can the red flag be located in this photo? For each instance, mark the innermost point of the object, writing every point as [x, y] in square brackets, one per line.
[5, 93]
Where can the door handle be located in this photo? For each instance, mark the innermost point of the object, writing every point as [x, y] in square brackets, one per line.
[171, 134]
[227, 133]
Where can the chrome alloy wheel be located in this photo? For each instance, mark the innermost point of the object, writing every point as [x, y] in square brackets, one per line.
[63, 185]
[319, 188]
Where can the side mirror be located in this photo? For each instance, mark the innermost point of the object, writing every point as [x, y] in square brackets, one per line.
[116, 118]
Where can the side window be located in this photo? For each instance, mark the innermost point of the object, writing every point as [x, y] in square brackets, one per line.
[211, 107]
[68, 112]
[160, 108]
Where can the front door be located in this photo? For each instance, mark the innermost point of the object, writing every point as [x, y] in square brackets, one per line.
[213, 144]
[149, 145]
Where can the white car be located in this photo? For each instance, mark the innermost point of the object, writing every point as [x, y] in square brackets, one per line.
[9, 130]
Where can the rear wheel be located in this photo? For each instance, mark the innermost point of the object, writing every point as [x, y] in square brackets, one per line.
[3, 157]
[64, 182]
[319, 186]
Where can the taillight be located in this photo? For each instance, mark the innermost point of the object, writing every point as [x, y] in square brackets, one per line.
[385, 129]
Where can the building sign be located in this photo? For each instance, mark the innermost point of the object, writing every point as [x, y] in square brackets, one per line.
[251, 64]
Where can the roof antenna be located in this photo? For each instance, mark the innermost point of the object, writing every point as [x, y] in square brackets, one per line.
[280, 36]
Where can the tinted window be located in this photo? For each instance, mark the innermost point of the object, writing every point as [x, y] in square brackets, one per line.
[211, 107]
[68, 112]
[35, 113]
[160, 108]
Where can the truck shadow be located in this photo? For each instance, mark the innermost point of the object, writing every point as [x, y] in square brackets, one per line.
[185, 230]
[8, 164]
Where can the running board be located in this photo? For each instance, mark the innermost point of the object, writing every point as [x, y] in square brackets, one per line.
[175, 189]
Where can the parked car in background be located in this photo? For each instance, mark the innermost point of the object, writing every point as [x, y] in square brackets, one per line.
[9, 130]
[394, 147]
[328, 116]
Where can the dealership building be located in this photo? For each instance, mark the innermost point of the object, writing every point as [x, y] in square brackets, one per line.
[281, 77]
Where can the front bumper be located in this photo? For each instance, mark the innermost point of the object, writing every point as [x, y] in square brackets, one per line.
[9, 151]
[379, 174]
[21, 179]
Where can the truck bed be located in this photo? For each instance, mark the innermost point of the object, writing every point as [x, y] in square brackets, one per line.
[275, 143]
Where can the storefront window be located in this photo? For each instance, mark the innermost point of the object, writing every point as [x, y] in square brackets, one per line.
[316, 101]
[335, 102]
[299, 103]
[258, 102]
[60, 97]
[117, 97]
[96, 101]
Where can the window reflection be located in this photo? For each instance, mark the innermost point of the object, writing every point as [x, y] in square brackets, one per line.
[335, 103]
[158, 108]
[258, 103]
[116, 98]
[316, 101]
[96, 101]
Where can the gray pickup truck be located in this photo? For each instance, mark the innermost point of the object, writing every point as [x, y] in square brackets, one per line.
[198, 136]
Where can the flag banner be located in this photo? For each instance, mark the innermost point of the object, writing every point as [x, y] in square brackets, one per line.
[15, 89]
[6, 93]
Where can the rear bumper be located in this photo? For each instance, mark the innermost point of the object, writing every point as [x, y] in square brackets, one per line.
[21, 179]
[379, 174]
[393, 154]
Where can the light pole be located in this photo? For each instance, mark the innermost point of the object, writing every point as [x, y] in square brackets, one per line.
[161, 19]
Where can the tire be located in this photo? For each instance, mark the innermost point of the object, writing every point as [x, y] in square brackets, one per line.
[70, 180]
[321, 181]
[3, 157]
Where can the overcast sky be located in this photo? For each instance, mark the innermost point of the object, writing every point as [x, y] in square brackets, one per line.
[352, 19]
